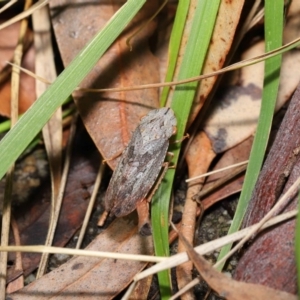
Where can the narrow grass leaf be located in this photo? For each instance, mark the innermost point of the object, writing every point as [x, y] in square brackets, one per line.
[273, 39]
[174, 45]
[192, 63]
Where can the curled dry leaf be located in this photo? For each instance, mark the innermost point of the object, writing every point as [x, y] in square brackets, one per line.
[109, 118]
[229, 288]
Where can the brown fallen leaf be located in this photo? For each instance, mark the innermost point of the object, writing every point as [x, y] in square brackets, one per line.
[229, 288]
[234, 155]
[234, 112]
[33, 217]
[141, 289]
[94, 278]
[110, 118]
[8, 42]
[18, 283]
[211, 194]
[221, 42]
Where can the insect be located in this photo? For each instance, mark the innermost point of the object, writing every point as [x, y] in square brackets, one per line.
[140, 163]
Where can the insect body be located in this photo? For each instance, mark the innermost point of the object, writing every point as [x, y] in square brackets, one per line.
[141, 162]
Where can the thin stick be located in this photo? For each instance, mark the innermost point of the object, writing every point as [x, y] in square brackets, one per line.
[180, 258]
[91, 205]
[52, 227]
[168, 262]
[24, 14]
[282, 202]
[7, 5]
[218, 183]
[236, 66]
[217, 171]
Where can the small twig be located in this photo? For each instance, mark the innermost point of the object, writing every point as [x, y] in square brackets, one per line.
[59, 199]
[282, 202]
[18, 283]
[217, 171]
[218, 183]
[91, 205]
[27, 12]
[235, 66]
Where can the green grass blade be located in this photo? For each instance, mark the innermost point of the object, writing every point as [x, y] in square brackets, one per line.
[17, 139]
[6, 125]
[174, 45]
[273, 38]
[192, 63]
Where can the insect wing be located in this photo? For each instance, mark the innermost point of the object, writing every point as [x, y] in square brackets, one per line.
[144, 175]
[140, 163]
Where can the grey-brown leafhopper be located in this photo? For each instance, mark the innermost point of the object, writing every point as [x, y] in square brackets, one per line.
[140, 163]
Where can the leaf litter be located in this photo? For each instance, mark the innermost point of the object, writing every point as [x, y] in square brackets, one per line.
[93, 120]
